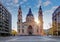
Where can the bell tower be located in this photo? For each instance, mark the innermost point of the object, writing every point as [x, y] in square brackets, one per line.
[40, 18]
[19, 23]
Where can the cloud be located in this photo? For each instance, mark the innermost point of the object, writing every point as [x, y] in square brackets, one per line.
[46, 3]
[15, 1]
[51, 10]
[39, 3]
[9, 4]
[25, 0]
[7, 0]
[48, 13]
[28, 7]
[21, 3]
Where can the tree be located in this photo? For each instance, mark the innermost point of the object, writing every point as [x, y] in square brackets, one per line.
[13, 32]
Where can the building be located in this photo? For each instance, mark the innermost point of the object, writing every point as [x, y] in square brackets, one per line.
[50, 31]
[29, 27]
[5, 21]
[56, 21]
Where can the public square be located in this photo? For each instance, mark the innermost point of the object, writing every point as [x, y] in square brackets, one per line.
[30, 39]
[29, 21]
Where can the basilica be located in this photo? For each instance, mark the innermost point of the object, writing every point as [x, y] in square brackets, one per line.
[29, 27]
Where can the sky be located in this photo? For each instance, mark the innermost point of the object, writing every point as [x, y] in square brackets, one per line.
[48, 7]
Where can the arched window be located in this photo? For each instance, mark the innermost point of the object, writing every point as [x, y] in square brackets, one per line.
[30, 27]
[19, 20]
[30, 30]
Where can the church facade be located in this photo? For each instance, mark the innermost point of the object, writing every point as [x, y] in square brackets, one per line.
[29, 27]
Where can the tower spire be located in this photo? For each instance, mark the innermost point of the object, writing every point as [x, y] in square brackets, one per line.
[40, 18]
[19, 23]
[20, 7]
[40, 8]
[30, 10]
[19, 10]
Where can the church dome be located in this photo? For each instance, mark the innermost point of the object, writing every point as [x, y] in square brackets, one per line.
[29, 13]
[30, 16]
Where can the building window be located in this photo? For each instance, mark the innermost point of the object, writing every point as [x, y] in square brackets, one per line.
[3, 18]
[0, 16]
[37, 30]
[19, 30]
[19, 20]
[22, 30]
[18, 26]
[55, 19]
[0, 28]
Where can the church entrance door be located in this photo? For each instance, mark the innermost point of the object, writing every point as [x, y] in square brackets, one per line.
[30, 30]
